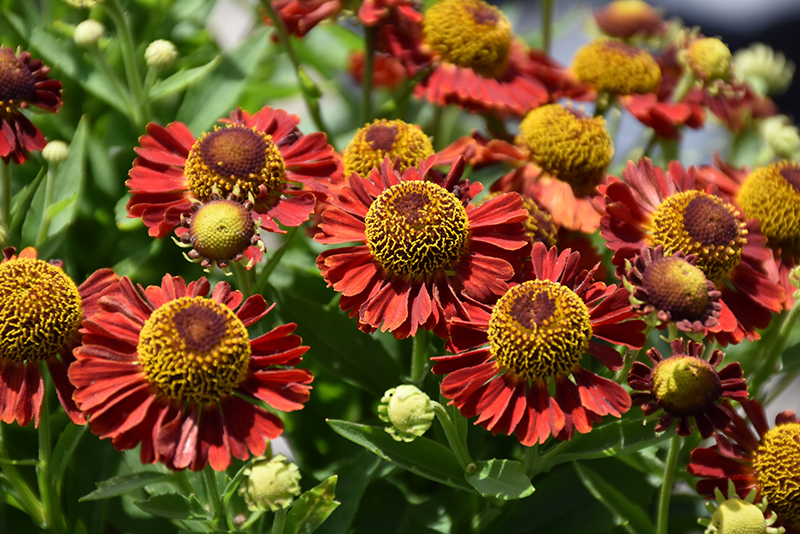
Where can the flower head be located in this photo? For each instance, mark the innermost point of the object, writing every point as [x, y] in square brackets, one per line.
[733, 515]
[687, 386]
[262, 158]
[759, 458]
[674, 289]
[628, 18]
[508, 357]
[420, 245]
[653, 207]
[301, 16]
[160, 54]
[616, 67]
[24, 83]
[88, 32]
[182, 377]
[408, 410]
[271, 484]
[382, 138]
[41, 310]
[766, 70]
[709, 58]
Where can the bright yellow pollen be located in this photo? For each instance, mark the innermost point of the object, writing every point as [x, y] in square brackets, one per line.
[736, 516]
[194, 349]
[396, 139]
[470, 34]
[415, 228]
[539, 329]
[539, 225]
[40, 310]
[709, 58]
[617, 67]
[568, 145]
[685, 385]
[234, 156]
[777, 463]
[221, 229]
[771, 194]
[694, 222]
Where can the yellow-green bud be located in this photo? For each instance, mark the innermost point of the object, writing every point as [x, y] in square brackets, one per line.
[88, 32]
[733, 515]
[780, 136]
[83, 3]
[160, 54]
[709, 58]
[271, 484]
[408, 410]
[55, 151]
[767, 71]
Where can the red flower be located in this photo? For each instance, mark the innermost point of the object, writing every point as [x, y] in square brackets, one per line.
[652, 207]
[388, 71]
[176, 371]
[507, 356]
[736, 104]
[419, 247]
[300, 16]
[265, 153]
[25, 83]
[761, 458]
[625, 19]
[40, 312]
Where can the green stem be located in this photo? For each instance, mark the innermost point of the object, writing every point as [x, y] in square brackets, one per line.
[547, 24]
[307, 86]
[30, 502]
[772, 349]
[399, 102]
[51, 503]
[685, 85]
[274, 261]
[603, 102]
[117, 14]
[124, 93]
[651, 144]
[369, 69]
[213, 495]
[458, 446]
[48, 200]
[419, 356]
[244, 277]
[630, 357]
[279, 522]
[436, 126]
[666, 485]
[5, 186]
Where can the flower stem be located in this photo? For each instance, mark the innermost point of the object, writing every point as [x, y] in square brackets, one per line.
[117, 14]
[630, 357]
[279, 522]
[22, 491]
[274, 261]
[419, 356]
[547, 24]
[666, 485]
[213, 495]
[5, 186]
[772, 349]
[48, 200]
[459, 446]
[307, 86]
[51, 503]
[369, 69]
[244, 277]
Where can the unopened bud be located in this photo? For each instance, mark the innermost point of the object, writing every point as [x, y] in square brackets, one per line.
[160, 54]
[710, 59]
[408, 410]
[271, 484]
[55, 151]
[766, 70]
[88, 32]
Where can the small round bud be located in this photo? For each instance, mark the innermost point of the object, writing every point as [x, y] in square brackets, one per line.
[55, 152]
[88, 32]
[766, 70]
[271, 484]
[408, 410]
[160, 54]
[83, 3]
[709, 59]
[780, 136]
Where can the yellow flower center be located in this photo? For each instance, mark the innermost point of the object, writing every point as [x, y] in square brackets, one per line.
[771, 194]
[777, 463]
[676, 286]
[234, 156]
[685, 385]
[16, 81]
[382, 138]
[469, 33]
[617, 67]
[221, 229]
[539, 225]
[194, 349]
[539, 329]
[416, 228]
[736, 516]
[40, 310]
[694, 222]
[709, 58]
[568, 145]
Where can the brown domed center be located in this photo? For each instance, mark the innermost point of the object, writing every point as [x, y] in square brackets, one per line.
[709, 222]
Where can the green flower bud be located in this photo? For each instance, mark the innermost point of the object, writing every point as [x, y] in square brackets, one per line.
[83, 3]
[780, 136]
[709, 58]
[408, 410]
[55, 151]
[160, 54]
[766, 70]
[88, 32]
[739, 516]
[271, 484]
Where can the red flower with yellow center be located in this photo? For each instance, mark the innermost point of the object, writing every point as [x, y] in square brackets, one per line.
[175, 371]
[300, 16]
[41, 310]
[687, 386]
[420, 247]
[261, 157]
[628, 18]
[761, 458]
[654, 208]
[24, 82]
[508, 357]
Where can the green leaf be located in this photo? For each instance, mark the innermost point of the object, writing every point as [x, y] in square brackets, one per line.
[312, 508]
[22, 202]
[634, 519]
[219, 93]
[353, 481]
[114, 487]
[65, 447]
[232, 484]
[174, 506]
[181, 80]
[422, 456]
[69, 180]
[502, 479]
